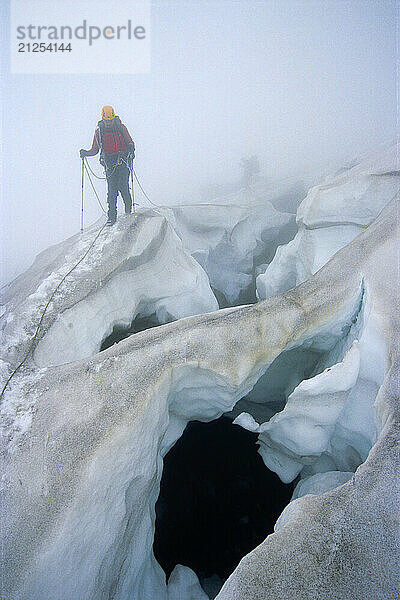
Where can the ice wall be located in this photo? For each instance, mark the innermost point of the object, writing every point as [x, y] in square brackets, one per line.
[331, 215]
[231, 237]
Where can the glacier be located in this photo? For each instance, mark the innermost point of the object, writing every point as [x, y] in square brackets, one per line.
[313, 371]
[331, 215]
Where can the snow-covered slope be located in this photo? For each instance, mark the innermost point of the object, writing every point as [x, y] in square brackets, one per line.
[136, 269]
[81, 476]
[331, 215]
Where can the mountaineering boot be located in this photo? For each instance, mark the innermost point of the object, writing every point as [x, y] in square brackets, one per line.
[111, 222]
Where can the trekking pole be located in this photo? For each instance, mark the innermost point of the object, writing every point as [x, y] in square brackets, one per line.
[83, 175]
[133, 193]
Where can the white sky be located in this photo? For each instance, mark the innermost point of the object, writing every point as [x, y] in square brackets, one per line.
[305, 84]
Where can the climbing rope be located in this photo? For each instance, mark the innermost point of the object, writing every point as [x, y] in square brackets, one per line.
[151, 201]
[33, 341]
[88, 168]
[91, 170]
[131, 169]
[186, 205]
[31, 346]
[143, 192]
[92, 184]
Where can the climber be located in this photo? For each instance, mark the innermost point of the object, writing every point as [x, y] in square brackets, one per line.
[117, 151]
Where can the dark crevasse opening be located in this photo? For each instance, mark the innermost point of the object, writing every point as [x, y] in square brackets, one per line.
[120, 332]
[217, 500]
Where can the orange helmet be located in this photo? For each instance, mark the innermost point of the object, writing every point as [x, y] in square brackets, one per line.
[107, 113]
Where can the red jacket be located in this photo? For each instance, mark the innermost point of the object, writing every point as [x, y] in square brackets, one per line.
[96, 144]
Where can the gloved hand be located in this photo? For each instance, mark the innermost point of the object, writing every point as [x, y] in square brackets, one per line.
[83, 153]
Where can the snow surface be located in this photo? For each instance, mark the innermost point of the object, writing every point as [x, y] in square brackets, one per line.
[332, 214]
[232, 236]
[137, 268]
[84, 440]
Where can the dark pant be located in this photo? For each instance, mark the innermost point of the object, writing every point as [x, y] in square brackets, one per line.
[118, 181]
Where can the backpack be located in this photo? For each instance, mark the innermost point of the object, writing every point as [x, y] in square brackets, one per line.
[111, 140]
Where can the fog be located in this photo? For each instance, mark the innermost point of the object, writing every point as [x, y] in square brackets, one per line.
[305, 85]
